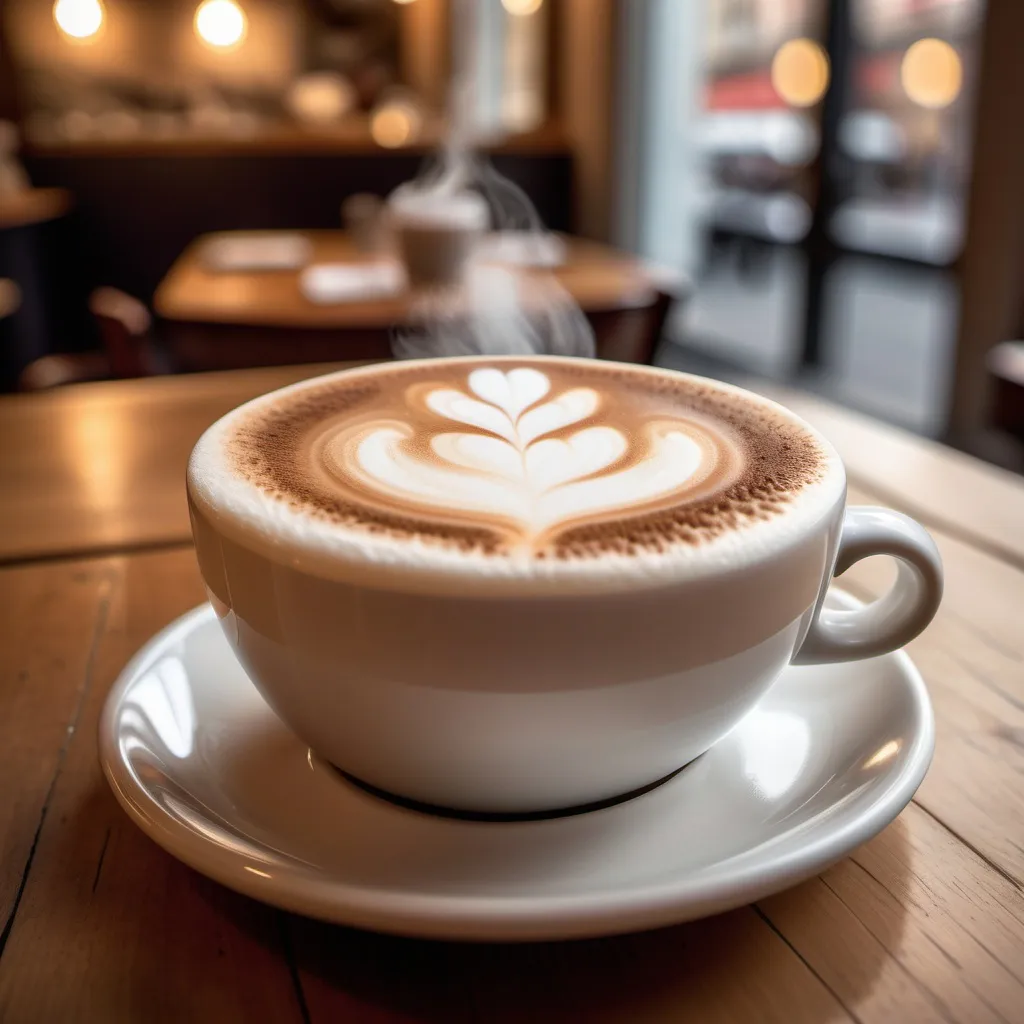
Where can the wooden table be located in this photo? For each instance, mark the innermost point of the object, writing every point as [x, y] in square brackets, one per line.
[597, 277]
[100, 467]
[923, 923]
[219, 320]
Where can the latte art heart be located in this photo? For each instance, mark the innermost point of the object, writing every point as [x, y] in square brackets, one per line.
[528, 457]
[542, 465]
[537, 468]
[501, 401]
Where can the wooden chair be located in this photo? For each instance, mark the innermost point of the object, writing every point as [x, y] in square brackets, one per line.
[125, 327]
[1006, 364]
[633, 335]
[129, 349]
[625, 335]
[197, 347]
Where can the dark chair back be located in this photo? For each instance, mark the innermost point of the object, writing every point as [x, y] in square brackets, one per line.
[633, 335]
[128, 347]
[1006, 365]
[125, 329]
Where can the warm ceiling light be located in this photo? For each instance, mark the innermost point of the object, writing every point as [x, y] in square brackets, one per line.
[320, 97]
[522, 7]
[78, 19]
[220, 23]
[931, 73]
[395, 123]
[800, 72]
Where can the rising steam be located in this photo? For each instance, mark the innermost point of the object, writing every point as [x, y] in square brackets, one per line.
[497, 309]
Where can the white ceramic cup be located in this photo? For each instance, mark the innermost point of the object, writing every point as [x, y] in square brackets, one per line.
[436, 234]
[492, 698]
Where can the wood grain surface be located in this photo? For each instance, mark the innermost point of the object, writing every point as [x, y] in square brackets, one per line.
[923, 923]
[101, 467]
[598, 278]
[107, 927]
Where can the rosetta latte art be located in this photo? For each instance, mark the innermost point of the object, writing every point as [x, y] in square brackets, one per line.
[508, 450]
[554, 459]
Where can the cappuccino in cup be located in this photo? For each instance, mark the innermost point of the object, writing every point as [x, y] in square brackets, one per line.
[511, 584]
[436, 233]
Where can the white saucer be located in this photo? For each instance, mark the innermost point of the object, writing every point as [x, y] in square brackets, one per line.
[198, 760]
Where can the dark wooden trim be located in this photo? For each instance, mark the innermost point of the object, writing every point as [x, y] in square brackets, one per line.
[10, 94]
[821, 250]
[555, 43]
[992, 265]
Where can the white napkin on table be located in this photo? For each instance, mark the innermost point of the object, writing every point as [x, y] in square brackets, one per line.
[270, 251]
[350, 282]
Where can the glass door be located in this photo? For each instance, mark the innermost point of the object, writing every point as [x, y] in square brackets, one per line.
[830, 151]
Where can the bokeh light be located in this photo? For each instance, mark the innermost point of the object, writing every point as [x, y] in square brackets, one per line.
[321, 97]
[931, 73]
[800, 72]
[79, 19]
[220, 23]
[395, 123]
[522, 8]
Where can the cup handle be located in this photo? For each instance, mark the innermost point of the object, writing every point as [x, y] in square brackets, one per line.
[894, 619]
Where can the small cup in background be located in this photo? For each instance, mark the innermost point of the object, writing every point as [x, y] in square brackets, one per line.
[436, 233]
[364, 217]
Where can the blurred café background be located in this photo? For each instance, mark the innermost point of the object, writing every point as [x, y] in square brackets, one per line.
[826, 192]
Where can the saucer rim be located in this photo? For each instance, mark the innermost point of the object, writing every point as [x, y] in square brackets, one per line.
[449, 916]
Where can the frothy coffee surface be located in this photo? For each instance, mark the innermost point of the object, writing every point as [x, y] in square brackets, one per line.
[550, 459]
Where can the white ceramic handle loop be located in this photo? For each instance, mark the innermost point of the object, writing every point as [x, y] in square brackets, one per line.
[897, 617]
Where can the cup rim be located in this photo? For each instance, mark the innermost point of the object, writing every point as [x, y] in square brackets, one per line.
[268, 526]
[434, 210]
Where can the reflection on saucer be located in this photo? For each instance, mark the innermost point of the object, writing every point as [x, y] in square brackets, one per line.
[775, 746]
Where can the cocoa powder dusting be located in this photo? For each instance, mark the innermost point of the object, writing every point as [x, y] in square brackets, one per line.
[269, 449]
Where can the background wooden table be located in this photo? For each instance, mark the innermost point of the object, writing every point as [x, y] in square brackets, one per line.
[215, 320]
[597, 277]
[923, 923]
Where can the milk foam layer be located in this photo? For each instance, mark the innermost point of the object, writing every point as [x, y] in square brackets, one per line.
[521, 467]
[509, 450]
